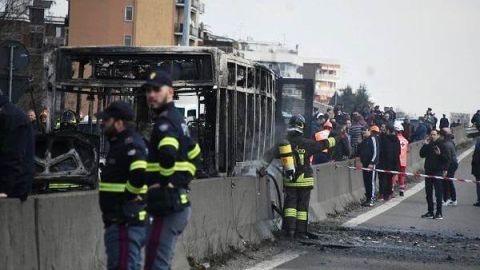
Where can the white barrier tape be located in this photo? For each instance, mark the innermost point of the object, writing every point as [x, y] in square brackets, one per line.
[409, 174]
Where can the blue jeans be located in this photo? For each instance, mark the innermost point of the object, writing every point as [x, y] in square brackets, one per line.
[123, 246]
[478, 190]
[162, 239]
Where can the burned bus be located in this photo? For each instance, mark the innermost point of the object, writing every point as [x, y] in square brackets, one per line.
[229, 103]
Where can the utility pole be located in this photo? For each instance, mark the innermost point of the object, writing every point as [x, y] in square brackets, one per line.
[187, 6]
[10, 74]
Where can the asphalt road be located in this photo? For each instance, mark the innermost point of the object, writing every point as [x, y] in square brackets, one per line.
[429, 251]
[463, 220]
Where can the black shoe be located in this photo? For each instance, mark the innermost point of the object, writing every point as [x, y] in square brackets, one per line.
[428, 215]
[477, 204]
[438, 216]
[402, 194]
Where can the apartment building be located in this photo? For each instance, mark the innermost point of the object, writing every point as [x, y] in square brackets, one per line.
[278, 56]
[133, 22]
[327, 78]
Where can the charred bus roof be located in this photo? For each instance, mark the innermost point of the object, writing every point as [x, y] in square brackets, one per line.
[129, 67]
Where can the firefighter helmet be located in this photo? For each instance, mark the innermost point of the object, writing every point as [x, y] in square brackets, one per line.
[68, 120]
[296, 123]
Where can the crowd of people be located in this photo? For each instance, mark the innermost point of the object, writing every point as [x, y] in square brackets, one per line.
[377, 141]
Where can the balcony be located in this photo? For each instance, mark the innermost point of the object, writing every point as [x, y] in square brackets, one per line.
[197, 5]
[55, 41]
[194, 31]
[327, 77]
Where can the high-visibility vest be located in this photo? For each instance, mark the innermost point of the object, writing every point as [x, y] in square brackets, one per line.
[322, 135]
[403, 150]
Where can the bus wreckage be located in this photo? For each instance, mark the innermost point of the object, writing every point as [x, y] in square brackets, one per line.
[229, 103]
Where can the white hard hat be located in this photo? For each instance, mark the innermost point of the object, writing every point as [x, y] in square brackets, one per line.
[398, 126]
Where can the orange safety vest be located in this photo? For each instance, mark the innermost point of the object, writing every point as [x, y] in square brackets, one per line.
[403, 150]
[322, 135]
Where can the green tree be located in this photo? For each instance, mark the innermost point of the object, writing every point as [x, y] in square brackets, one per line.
[354, 101]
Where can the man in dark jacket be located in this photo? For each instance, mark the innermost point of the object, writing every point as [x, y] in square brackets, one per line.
[444, 123]
[449, 192]
[342, 148]
[16, 151]
[421, 131]
[367, 157]
[476, 120]
[476, 170]
[436, 164]
[389, 160]
[407, 129]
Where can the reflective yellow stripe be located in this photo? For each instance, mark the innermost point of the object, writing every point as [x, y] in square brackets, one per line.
[142, 215]
[139, 164]
[185, 166]
[180, 166]
[331, 142]
[112, 187]
[135, 190]
[62, 185]
[119, 187]
[152, 167]
[166, 171]
[169, 141]
[291, 212]
[302, 215]
[183, 198]
[301, 182]
[194, 152]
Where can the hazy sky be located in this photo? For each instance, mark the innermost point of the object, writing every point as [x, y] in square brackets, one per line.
[410, 53]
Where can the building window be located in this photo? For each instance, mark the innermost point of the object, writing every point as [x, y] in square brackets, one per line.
[58, 32]
[127, 40]
[128, 13]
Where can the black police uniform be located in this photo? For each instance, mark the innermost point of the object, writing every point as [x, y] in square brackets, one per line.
[297, 192]
[123, 177]
[122, 180]
[172, 164]
[17, 147]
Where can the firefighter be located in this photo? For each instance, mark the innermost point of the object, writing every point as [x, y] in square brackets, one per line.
[298, 179]
[403, 158]
[172, 161]
[68, 121]
[17, 148]
[121, 188]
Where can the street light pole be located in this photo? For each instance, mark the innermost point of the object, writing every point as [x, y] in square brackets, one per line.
[10, 74]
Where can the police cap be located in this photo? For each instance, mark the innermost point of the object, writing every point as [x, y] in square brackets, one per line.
[158, 79]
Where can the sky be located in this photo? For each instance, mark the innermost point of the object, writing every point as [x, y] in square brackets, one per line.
[411, 54]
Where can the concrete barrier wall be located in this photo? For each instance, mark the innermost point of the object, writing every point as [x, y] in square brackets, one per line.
[18, 243]
[65, 231]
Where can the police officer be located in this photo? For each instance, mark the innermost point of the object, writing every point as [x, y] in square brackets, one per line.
[17, 147]
[121, 188]
[172, 160]
[299, 181]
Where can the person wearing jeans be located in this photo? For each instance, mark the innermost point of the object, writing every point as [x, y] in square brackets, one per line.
[449, 192]
[476, 170]
[436, 164]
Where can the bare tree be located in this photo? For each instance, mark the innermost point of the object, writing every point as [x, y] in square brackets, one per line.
[11, 12]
